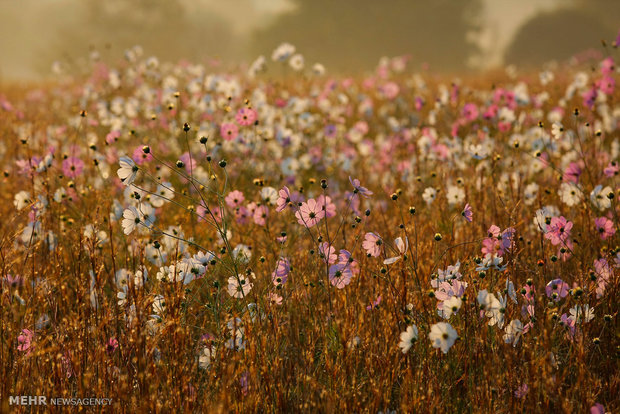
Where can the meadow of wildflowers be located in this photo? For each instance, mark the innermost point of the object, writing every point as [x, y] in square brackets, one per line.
[277, 239]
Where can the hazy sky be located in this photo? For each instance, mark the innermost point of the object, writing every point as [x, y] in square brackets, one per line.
[27, 26]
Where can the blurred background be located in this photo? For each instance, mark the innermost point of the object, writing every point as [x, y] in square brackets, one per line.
[344, 35]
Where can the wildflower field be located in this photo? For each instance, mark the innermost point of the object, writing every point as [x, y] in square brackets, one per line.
[184, 237]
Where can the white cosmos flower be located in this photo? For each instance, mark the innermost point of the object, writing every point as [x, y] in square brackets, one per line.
[530, 193]
[60, 194]
[318, 69]
[478, 152]
[491, 261]
[159, 304]
[282, 52]
[496, 314]
[429, 195]
[242, 253]
[269, 195]
[578, 314]
[512, 293]
[455, 195]
[31, 233]
[297, 62]
[204, 258]
[557, 129]
[540, 220]
[165, 192]
[122, 296]
[257, 66]
[450, 306]
[153, 325]
[131, 218]
[204, 360]
[493, 308]
[402, 249]
[22, 200]
[164, 274]
[408, 338]
[239, 286]
[154, 255]
[599, 198]
[127, 172]
[237, 332]
[514, 330]
[570, 194]
[147, 214]
[442, 336]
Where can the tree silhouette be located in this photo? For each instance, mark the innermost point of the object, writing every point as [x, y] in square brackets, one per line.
[557, 35]
[354, 34]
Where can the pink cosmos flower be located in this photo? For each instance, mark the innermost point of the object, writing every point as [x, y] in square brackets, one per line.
[244, 382]
[112, 137]
[589, 97]
[498, 242]
[354, 202]
[374, 304]
[361, 126]
[467, 212]
[528, 311]
[607, 85]
[284, 198]
[448, 289]
[358, 188]
[558, 230]
[310, 213]
[72, 167]
[603, 272]
[111, 345]
[572, 173]
[565, 251]
[205, 213]
[570, 324]
[522, 391]
[605, 227]
[12, 280]
[340, 275]
[327, 205]
[252, 206]
[234, 199]
[25, 341]
[242, 215]
[598, 408]
[607, 65]
[611, 170]
[229, 131]
[470, 111]
[557, 289]
[372, 244]
[260, 215]
[419, 103]
[390, 90]
[140, 157]
[190, 162]
[530, 293]
[283, 268]
[328, 253]
[246, 116]
[345, 258]
[274, 298]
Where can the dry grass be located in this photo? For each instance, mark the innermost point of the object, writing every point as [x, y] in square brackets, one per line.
[302, 355]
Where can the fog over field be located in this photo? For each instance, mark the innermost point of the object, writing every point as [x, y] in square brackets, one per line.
[345, 35]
